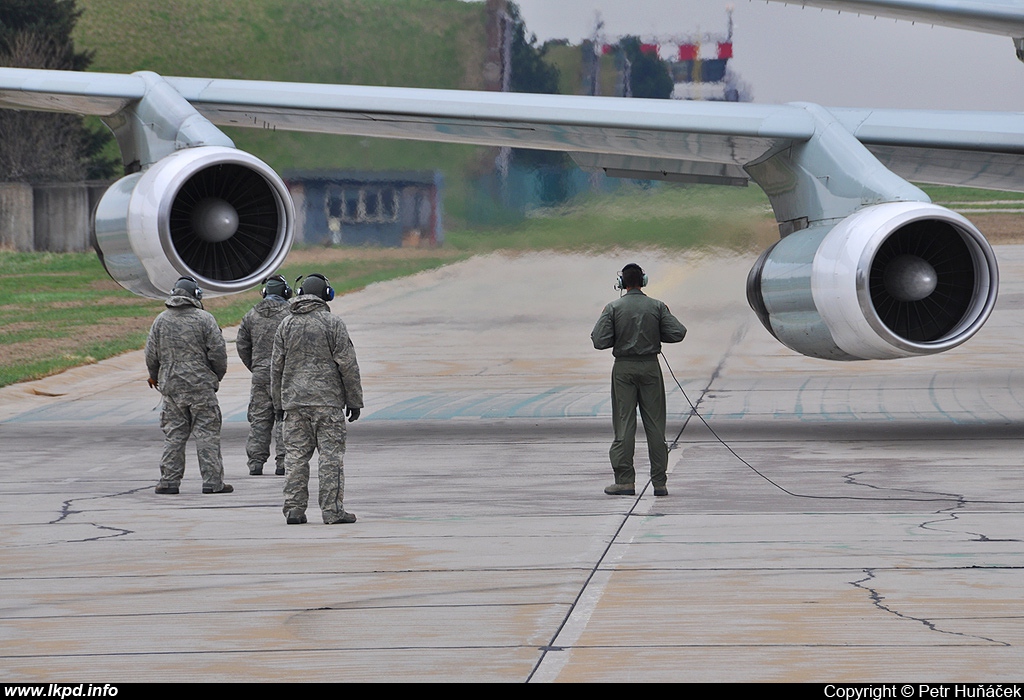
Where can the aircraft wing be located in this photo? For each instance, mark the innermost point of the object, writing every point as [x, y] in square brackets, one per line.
[714, 132]
[970, 149]
[620, 135]
[1002, 17]
[868, 267]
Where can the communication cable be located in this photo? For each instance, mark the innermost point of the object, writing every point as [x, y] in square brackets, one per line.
[695, 412]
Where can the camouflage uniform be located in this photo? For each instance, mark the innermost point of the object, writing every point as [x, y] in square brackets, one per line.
[635, 326]
[314, 376]
[185, 354]
[255, 344]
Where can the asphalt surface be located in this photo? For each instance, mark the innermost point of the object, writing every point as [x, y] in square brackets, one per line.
[861, 522]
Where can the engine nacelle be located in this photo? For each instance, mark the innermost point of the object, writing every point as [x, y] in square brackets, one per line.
[216, 214]
[893, 280]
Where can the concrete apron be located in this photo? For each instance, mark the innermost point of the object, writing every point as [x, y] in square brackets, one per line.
[875, 533]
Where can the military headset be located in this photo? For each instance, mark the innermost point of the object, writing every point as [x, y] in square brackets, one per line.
[280, 281]
[191, 287]
[631, 266]
[328, 291]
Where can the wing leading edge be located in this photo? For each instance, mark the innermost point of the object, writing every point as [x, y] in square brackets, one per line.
[982, 149]
[709, 132]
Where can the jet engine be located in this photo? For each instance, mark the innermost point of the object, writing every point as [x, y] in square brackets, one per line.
[892, 280]
[213, 213]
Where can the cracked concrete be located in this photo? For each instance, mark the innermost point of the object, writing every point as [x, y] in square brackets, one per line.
[863, 524]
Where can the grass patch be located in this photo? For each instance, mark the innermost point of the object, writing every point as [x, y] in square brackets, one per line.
[86, 354]
[943, 194]
[60, 310]
[666, 217]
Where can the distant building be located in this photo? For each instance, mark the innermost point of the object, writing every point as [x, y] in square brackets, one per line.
[365, 208]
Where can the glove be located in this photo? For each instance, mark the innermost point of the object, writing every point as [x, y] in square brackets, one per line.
[152, 383]
[279, 416]
[353, 414]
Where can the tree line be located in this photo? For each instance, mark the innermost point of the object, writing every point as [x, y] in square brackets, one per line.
[41, 146]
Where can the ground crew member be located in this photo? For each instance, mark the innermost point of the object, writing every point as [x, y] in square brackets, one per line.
[314, 378]
[635, 326]
[186, 359]
[255, 345]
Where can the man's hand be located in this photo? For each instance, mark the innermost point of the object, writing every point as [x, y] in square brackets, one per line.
[152, 383]
[353, 414]
[279, 416]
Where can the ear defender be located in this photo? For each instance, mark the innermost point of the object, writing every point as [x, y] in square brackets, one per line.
[618, 278]
[190, 286]
[328, 293]
[322, 287]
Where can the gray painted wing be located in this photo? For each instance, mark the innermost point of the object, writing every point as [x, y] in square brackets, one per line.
[973, 149]
[100, 94]
[1003, 17]
[979, 148]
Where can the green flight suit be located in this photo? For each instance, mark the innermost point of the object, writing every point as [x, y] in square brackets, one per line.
[635, 326]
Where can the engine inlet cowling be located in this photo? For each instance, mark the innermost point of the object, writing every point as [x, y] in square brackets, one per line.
[216, 214]
[893, 280]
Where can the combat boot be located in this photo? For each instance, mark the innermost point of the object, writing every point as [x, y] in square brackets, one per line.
[620, 490]
[225, 488]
